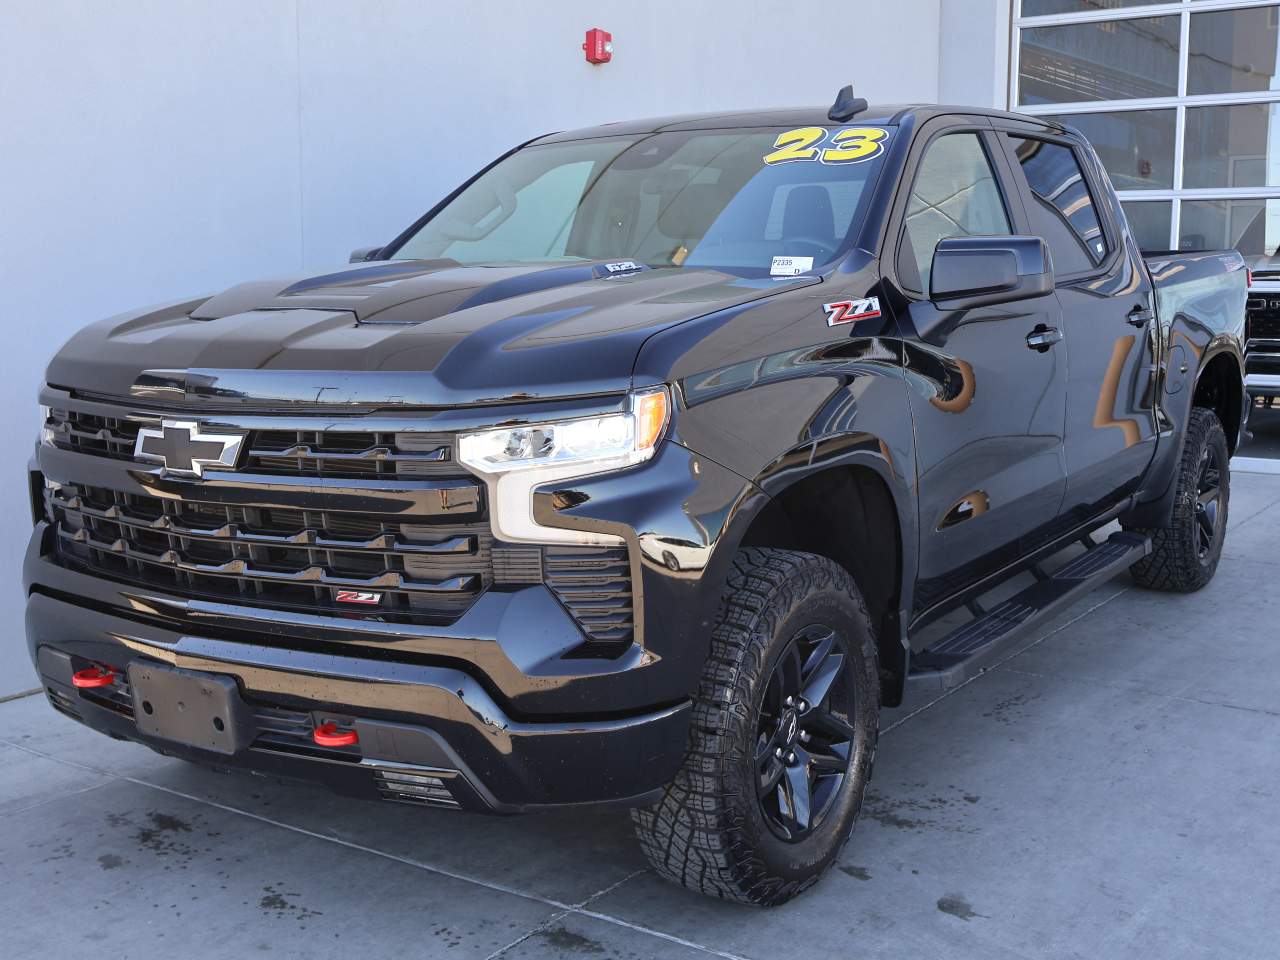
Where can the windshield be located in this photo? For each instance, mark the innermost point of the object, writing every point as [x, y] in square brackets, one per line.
[713, 198]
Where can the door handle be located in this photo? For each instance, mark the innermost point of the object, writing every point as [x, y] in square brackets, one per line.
[1042, 337]
[1138, 316]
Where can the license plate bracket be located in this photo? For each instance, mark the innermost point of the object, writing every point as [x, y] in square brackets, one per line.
[201, 710]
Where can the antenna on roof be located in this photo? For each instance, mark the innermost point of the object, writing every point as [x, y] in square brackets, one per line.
[846, 105]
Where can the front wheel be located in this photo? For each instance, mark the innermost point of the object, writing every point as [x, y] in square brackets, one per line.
[782, 737]
[1184, 555]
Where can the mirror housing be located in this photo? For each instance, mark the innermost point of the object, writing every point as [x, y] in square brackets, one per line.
[364, 254]
[972, 272]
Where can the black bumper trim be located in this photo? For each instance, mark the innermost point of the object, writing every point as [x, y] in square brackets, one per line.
[429, 718]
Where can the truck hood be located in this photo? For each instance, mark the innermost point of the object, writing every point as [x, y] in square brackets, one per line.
[414, 333]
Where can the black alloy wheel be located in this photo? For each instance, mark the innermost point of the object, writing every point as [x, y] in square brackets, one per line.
[1185, 553]
[782, 736]
[804, 739]
[1208, 501]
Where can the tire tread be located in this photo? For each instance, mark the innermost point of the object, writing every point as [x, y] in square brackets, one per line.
[1174, 564]
[692, 835]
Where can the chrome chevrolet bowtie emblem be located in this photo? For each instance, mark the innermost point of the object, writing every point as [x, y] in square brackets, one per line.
[186, 450]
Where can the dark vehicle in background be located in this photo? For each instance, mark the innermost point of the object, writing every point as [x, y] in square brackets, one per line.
[644, 469]
[1262, 335]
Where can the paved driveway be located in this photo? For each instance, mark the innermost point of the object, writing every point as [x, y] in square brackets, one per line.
[1110, 791]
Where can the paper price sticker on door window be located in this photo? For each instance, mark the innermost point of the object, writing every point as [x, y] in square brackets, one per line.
[846, 145]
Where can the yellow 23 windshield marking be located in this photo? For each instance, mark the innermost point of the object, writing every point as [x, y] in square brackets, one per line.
[849, 145]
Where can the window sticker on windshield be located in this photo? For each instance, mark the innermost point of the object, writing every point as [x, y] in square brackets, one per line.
[847, 145]
[790, 266]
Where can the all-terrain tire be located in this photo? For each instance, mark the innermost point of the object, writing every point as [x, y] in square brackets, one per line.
[1180, 560]
[709, 830]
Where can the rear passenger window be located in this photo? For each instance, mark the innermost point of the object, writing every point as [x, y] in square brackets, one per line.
[1061, 211]
[954, 195]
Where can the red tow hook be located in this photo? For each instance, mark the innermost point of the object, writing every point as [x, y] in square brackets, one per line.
[91, 677]
[328, 735]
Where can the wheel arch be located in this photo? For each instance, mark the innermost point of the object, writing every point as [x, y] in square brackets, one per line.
[1218, 386]
[851, 510]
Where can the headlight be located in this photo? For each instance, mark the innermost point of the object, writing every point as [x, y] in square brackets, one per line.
[515, 460]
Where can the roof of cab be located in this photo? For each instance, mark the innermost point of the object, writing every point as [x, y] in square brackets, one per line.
[874, 115]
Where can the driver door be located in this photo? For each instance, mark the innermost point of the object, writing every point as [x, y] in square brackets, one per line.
[988, 403]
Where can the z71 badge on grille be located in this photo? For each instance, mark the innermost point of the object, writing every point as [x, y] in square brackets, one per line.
[357, 596]
[183, 448]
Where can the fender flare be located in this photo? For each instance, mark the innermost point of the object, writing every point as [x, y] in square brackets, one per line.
[1157, 511]
[806, 460]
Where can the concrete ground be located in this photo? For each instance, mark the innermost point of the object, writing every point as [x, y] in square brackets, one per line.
[1108, 791]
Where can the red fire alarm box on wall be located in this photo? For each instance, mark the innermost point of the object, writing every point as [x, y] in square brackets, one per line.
[599, 46]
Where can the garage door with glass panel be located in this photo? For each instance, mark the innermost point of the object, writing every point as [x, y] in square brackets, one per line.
[1182, 102]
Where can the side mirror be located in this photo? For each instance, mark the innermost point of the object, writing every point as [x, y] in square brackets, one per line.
[972, 272]
[364, 254]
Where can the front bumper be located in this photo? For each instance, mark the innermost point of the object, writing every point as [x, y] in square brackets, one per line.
[497, 700]
[427, 734]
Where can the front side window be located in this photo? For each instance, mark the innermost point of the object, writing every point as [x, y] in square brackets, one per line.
[732, 199]
[1061, 209]
[954, 195]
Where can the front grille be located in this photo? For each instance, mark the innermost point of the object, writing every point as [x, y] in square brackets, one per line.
[336, 454]
[424, 568]
[1264, 318]
[296, 559]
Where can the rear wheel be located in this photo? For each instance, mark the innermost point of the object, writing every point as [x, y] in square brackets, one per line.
[782, 737]
[1185, 554]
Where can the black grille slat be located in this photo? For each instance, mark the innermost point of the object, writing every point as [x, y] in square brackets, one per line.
[287, 558]
[337, 454]
[143, 521]
[1267, 328]
[1263, 318]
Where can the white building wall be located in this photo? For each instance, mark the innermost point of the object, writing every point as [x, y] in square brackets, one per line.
[151, 149]
[973, 52]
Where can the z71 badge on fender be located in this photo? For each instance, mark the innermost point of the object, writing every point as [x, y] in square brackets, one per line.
[847, 311]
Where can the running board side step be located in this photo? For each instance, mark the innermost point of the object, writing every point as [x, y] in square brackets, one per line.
[972, 648]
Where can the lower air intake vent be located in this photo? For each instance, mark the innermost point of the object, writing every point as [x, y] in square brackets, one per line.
[62, 703]
[594, 584]
[430, 788]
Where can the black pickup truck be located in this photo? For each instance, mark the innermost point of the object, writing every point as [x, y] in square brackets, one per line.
[643, 469]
